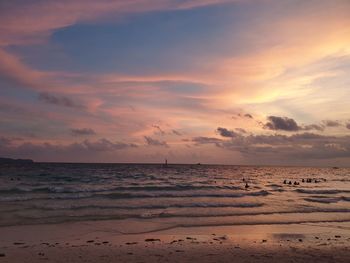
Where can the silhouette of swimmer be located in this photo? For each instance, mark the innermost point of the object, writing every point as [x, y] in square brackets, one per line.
[246, 185]
[290, 182]
[285, 181]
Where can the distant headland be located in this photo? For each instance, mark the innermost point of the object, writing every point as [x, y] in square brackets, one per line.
[15, 161]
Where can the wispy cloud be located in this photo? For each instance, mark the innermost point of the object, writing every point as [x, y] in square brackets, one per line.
[154, 142]
[281, 123]
[226, 133]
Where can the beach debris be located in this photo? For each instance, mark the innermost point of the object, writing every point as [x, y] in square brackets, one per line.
[90, 241]
[105, 242]
[300, 240]
[152, 239]
[2, 255]
[264, 240]
[336, 236]
[41, 254]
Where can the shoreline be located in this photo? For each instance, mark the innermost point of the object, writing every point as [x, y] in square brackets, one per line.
[237, 219]
[103, 241]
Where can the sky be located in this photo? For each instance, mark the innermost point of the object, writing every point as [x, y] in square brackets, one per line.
[252, 82]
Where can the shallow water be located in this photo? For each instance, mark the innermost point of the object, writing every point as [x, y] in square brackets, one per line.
[176, 195]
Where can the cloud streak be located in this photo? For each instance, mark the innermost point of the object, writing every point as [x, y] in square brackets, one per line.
[296, 146]
[83, 132]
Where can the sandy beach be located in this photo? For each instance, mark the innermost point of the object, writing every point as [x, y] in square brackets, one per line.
[135, 241]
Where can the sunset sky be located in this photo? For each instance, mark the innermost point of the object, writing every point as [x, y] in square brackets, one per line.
[210, 81]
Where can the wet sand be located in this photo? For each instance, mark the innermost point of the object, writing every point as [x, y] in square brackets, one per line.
[137, 241]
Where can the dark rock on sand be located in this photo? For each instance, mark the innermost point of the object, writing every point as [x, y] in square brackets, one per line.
[18, 243]
[130, 243]
[152, 239]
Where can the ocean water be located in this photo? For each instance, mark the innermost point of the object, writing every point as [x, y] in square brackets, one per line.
[177, 195]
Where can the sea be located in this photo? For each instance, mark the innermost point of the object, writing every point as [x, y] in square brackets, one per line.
[178, 195]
